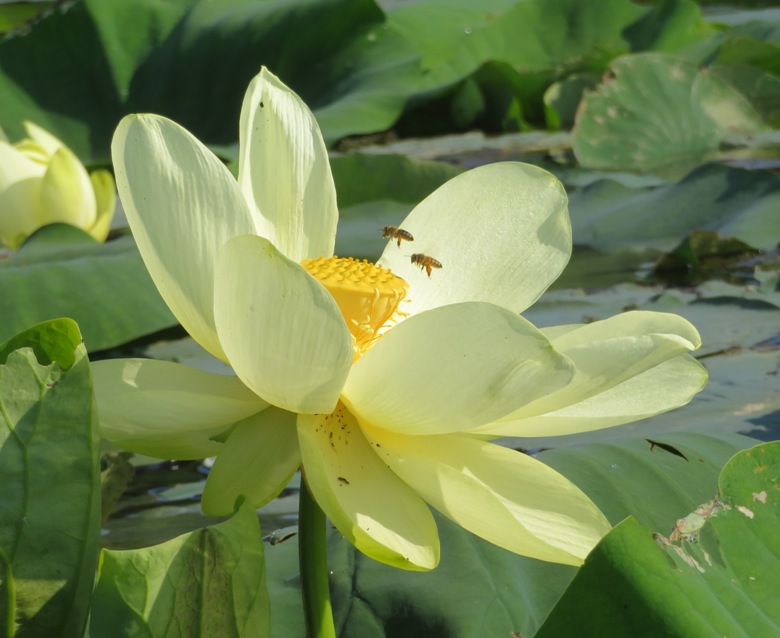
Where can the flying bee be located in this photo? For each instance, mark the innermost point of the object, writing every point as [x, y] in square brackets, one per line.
[391, 232]
[423, 261]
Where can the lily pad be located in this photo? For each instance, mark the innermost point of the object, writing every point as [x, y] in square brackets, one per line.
[61, 271]
[210, 582]
[558, 37]
[481, 590]
[660, 111]
[364, 178]
[562, 98]
[735, 202]
[49, 483]
[760, 87]
[77, 72]
[718, 573]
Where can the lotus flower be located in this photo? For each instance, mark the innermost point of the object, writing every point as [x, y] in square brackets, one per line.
[43, 182]
[385, 384]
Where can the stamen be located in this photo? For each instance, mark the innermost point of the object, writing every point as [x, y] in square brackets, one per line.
[367, 295]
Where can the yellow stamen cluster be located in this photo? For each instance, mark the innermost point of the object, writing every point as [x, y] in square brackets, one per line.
[367, 295]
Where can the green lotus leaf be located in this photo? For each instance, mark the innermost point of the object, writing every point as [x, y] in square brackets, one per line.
[657, 111]
[209, 582]
[62, 272]
[717, 572]
[49, 483]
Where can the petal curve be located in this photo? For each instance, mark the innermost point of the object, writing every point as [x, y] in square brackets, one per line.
[281, 329]
[605, 354]
[285, 172]
[369, 504]
[182, 205]
[503, 496]
[452, 369]
[258, 460]
[66, 191]
[681, 378]
[501, 233]
[168, 410]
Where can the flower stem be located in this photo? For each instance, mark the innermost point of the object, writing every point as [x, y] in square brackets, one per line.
[312, 553]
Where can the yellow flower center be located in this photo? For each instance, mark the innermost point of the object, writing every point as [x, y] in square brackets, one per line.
[367, 295]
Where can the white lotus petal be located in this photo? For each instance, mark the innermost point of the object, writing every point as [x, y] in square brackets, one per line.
[66, 192]
[453, 368]
[284, 170]
[105, 201]
[504, 496]
[665, 387]
[182, 205]
[20, 183]
[281, 329]
[368, 503]
[48, 142]
[257, 461]
[607, 353]
[168, 410]
[501, 233]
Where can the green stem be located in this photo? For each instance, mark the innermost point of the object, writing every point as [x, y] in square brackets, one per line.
[312, 553]
[10, 590]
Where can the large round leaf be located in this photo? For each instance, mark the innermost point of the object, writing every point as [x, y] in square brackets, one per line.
[718, 572]
[62, 272]
[210, 582]
[49, 482]
[77, 72]
[656, 110]
[734, 201]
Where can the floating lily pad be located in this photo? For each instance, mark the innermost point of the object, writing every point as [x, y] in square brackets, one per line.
[735, 202]
[659, 111]
[61, 271]
[16, 15]
[536, 42]
[561, 99]
[759, 86]
[717, 573]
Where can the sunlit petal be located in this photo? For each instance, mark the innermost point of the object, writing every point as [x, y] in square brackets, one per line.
[501, 233]
[166, 409]
[182, 205]
[105, 200]
[66, 191]
[281, 330]
[504, 496]
[257, 461]
[667, 386]
[452, 369]
[367, 502]
[607, 353]
[42, 138]
[284, 170]
[20, 183]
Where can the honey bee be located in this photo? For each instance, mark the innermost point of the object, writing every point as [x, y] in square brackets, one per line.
[391, 232]
[423, 261]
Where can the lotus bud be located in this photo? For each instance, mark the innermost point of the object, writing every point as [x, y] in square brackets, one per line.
[43, 182]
